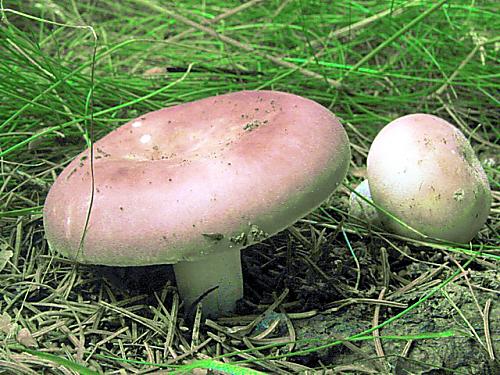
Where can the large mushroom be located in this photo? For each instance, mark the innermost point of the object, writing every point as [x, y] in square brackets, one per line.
[193, 184]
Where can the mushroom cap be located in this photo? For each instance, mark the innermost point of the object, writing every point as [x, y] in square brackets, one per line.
[185, 181]
[361, 209]
[424, 171]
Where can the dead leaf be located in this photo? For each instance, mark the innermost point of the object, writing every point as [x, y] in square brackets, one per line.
[24, 338]
[359, 172]
[5, 255]
[5, 323]
[155, 71]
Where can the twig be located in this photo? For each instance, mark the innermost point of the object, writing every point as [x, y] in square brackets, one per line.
[357, 350]
[214, 20]
[366, 21]
[349, 301]
[291, 329]
[469, 285]
[467, 323]
[407, 348]
[428, 275]
[195, 337]
[376, 333]
[386, 268]
[239, 45]
[268, 365]
[465, 128]
[358, 266]
[487, 333]
[396, 35]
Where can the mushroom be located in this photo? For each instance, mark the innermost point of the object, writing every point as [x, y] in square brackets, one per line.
[423, 170]
[361, 209]
[192, 185]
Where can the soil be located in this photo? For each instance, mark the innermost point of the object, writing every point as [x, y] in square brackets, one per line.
[316, 279]
[461, 354]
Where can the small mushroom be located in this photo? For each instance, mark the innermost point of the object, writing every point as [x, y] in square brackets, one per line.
[361, 209]
[192, 185]
[423, 170]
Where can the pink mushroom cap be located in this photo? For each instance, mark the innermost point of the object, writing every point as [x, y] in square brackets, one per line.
[186, 181]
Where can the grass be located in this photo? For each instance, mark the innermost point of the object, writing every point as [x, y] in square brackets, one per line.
[72, 71]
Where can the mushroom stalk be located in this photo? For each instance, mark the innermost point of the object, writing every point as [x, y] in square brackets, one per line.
[194, 278]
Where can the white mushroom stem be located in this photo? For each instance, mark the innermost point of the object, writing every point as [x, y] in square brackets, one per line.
[223, 269]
